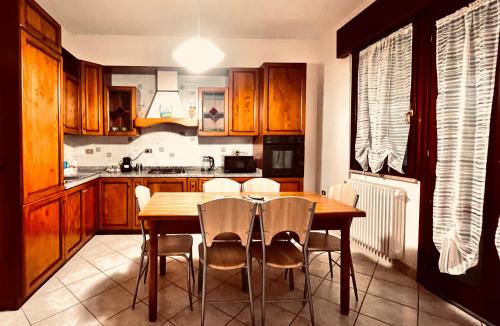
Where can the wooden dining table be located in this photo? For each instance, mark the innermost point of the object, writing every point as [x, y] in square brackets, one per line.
[177, 212]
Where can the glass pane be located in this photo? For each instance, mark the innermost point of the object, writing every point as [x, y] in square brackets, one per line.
[213, 110]
[282, 159]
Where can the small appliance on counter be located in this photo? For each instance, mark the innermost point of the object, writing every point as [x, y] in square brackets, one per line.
[239, 164]
[207, 163]
[126, 164]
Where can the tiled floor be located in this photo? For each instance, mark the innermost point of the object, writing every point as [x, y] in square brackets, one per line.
[95, 287]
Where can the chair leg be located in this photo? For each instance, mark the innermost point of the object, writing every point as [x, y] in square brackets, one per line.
[353, 276]
[263, 303]
[250, 292]
[141, 270]
[309, 293]
[244, 282]
[146, 269]
[286, 272]
[305, 292]
[331, 264]
[291, 281]
[200, 276]
[190, 295]
[192, 268]
[203, 293]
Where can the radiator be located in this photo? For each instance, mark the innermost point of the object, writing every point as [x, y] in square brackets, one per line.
[383, 230]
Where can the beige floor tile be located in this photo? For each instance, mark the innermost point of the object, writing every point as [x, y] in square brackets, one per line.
[124, 272]
[280, 290]
[275, 315]
[105, 238]
[122, 242]
[394, 292]
[13, 318]
[133, 317]
[142, 292]
[432, 304]
[171, 301]
[228, 292]
[319, 268]
[43, 306]
[327, 313]
[133, 252]
[109, 303]
[91, 286]
[368, 321]
[95, 250]
[363, 265]
[299, 321]
[75, 270]
[388, 311]
[425, 319]
[108, 260]
[362, 280]
[50, 285]
[74, 316]
[392, 275]
[213, 316]
[235, 322]
[330, 291]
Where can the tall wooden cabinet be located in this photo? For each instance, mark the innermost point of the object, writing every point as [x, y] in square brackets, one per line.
[283, 106]
[243, 102]
[91, 98]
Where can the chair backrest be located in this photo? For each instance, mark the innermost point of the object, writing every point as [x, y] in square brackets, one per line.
[343, 193]
[261, 185]
[283, 214]
[227, 215]
[142, 197]
[221, 185]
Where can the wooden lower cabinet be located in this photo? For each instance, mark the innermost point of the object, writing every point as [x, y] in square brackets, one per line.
[290, 184]
[166, 184]
[90, 200]
[42, 240]
[116, 198]
[73, 224]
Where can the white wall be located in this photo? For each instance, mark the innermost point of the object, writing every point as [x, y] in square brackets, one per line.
[156, 51]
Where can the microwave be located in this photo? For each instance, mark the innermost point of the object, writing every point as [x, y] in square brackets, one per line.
[239, 164]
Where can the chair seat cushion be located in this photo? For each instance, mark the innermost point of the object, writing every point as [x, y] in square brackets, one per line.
[280, 254]
[173, 244]
[323, 242]
[224, 255]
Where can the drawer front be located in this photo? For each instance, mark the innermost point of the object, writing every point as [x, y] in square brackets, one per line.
[35, 20]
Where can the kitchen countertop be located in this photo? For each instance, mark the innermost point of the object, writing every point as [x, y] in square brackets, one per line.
[92, 173]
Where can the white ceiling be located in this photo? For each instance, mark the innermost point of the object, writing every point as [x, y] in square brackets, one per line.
[219, 18]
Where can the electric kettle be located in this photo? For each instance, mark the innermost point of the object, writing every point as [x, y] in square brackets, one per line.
[207, 163]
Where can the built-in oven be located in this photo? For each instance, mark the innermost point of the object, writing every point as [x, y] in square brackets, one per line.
[283, 156]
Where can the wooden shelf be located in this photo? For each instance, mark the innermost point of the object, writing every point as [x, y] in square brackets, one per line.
[149, 122]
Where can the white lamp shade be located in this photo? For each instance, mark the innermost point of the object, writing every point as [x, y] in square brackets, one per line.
[198, 55]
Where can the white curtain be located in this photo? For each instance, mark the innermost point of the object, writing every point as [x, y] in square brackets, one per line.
[384, 86]
[467, 46]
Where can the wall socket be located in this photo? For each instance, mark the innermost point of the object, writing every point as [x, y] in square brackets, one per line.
[323, 192]
[148, 150]
[171, 154]
[161, 149]
[89, 151]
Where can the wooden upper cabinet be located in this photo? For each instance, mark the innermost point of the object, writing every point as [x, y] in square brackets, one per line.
[90, 203]
[283, 109]
[119, 111]
[166, 184]
[71, 105]
[213, 108]
[42, 246]
[91, 98]
[35, 20]
[72, 226]
[116, 197]
[244, 102]
[42, 128]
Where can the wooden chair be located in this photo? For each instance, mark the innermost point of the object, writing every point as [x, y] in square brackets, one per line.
[325, 242]
[261, 185]
[290, 214]
[221, 185]
[174, 245]
[220, 216]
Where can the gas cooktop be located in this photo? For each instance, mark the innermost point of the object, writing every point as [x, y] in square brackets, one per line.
[168, 170]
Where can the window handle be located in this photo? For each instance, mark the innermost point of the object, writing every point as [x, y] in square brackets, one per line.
[408, 116]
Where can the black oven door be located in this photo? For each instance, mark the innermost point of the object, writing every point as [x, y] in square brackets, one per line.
[283, 160]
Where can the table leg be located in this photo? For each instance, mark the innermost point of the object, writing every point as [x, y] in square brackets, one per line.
[345, 256]
[153, 270]
[163, 265]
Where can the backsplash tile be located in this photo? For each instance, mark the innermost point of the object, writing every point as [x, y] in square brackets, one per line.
[187, 148]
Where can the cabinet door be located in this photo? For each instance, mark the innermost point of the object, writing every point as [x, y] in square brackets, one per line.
[42, 245]
[35, 20]
[73, 235]
[116, 204]
[193, 185]
[90, 209]
[71, 102]
[213, 109]
[284, 102]
[41, 132]
[166, 184]
[243, 102]
[290, 184]
[91, 99]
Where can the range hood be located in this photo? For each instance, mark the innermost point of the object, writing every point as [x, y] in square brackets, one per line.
[166, 106]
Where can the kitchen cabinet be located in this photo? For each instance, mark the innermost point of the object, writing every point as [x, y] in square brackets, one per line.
[42, 173]
[116, 198]
[290, 184]
[91, 98]
[90, 199]
[243, 102]
[71, 105]
[120, 111]
[166, 184]
[213, 109]
[39, 24]
[283, 108]
[72, 222]
[42, 245]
